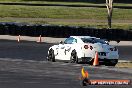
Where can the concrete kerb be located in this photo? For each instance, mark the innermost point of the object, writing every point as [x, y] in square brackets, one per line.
[56, 40]
[33, 39]
[124, 64]
[121, 43]
[124, 61]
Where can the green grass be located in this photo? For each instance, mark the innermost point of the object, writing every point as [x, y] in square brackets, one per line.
[62, 12]
[83, 24]
[58, 12]
[95, 25]
[54, 12]
[64, 3]
[51, 12]
[50, 2]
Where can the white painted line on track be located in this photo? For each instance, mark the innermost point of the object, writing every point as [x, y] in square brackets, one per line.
[9, 59]
[20, 60]
[32, 82]
[77, 65]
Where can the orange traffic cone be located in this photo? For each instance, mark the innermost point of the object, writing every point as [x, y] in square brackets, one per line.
[18, 39]
[96, 60]
[39, 40]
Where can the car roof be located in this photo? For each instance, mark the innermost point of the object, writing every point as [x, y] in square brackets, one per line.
[82, 37]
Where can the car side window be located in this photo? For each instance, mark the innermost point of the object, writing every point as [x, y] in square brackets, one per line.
[70, 40]
[87, 40]
[74, 41]
[93, 40]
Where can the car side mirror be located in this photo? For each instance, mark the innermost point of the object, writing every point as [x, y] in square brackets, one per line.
[61, 42]
[118, 41]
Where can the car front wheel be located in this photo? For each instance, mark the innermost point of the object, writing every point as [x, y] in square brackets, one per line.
[74, 58]
[51, 56]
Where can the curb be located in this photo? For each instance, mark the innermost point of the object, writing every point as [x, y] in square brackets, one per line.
[124, 61]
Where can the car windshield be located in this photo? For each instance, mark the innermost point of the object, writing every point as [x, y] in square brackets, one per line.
[70, 41]
[93, 40]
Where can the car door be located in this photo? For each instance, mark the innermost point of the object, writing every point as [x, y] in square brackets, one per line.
[61, 50]
[62, 53]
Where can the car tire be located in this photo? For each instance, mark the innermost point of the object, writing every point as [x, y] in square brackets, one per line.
[111, 63]
[51, 56]
[73, 58]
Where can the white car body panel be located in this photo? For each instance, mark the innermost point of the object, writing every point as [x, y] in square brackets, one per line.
[63, 51]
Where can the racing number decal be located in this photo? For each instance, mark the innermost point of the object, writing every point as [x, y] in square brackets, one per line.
[67, 50]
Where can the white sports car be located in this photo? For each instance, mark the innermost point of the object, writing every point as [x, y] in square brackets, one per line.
[82, 49]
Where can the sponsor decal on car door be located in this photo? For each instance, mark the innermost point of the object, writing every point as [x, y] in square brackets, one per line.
[67, 51]
[61, 52]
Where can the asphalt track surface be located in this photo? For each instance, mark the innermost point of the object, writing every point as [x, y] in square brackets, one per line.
[23, 65]
[38, 51]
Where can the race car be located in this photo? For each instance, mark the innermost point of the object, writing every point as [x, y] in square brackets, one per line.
[77, 49]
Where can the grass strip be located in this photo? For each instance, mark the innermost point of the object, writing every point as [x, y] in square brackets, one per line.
[58, 12]
[62, 12]
[65, 3]
[95, 24]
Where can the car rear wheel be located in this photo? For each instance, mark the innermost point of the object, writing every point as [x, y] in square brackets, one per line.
[74, 58]
[51, 56]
